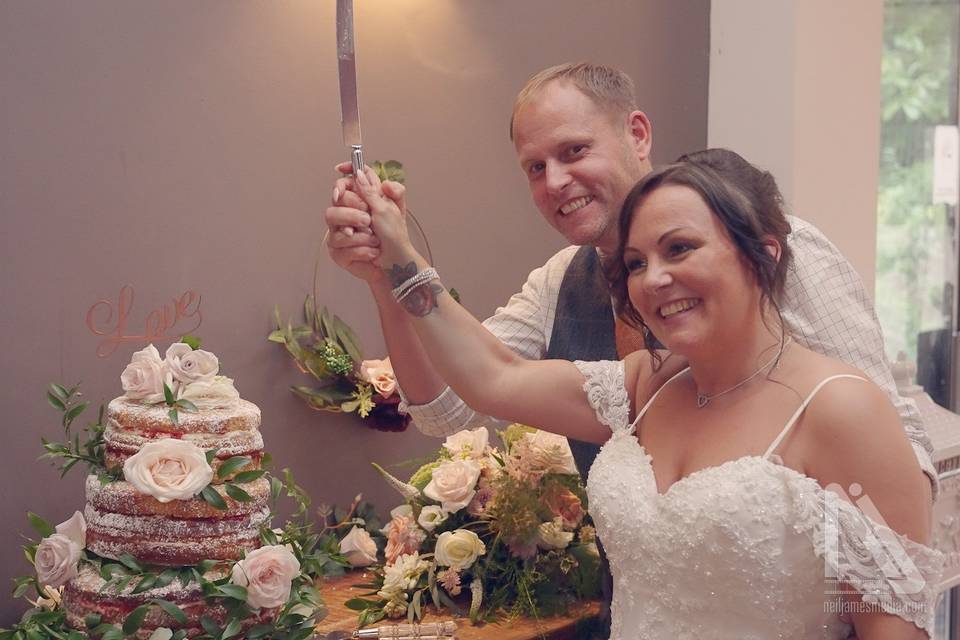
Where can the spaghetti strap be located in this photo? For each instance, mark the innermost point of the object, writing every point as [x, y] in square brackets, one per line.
[633, 425]
[796, 414]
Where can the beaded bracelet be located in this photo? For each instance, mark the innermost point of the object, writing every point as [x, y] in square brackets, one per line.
[413, 282]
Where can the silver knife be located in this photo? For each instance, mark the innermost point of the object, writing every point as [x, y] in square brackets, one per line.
[347, 67]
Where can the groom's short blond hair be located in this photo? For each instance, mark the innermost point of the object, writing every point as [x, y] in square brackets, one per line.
[609, 88]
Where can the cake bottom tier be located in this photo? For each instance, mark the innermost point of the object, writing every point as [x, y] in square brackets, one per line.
[86, 595]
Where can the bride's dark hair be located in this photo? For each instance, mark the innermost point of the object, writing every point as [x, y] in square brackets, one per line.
[744, 198]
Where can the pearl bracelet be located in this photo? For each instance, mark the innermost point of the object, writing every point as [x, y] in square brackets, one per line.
[413, 282]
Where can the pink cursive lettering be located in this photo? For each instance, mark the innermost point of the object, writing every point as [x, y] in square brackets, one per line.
[104, 318]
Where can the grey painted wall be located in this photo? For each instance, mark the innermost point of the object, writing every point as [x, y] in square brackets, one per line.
[190, 145]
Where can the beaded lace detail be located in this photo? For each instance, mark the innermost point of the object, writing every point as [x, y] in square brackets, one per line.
[604, 386]
[741, 550]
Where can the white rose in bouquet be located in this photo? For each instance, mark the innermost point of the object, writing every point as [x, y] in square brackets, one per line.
[548, 453]
[470, 443]
[188, 365]
[58, 554]
[359, 548]
[267, 573]
[380, 374]
[550, 535]
[144, 377]
[431, 516]
[168, 469]
[458, 549]
[453, 484]
[210, 394]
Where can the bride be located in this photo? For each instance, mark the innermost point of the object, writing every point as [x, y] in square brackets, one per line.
[747, 487]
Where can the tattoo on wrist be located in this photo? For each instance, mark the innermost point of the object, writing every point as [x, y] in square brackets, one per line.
[399, 274]
[423, 299]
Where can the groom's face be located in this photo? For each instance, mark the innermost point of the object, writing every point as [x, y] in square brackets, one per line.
[580, 163]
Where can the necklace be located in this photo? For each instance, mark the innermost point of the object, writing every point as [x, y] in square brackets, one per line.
[703, 398]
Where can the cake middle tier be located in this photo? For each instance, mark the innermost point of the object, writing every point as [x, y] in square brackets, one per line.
[120, 520]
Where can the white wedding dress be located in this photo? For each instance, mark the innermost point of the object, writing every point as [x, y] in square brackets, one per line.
[742, 550]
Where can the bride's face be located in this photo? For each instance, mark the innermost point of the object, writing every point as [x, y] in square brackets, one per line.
[686, 277]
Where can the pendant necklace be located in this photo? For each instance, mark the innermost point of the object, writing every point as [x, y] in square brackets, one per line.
[703, 398]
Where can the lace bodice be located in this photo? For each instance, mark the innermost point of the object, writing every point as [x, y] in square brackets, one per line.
[747, 549]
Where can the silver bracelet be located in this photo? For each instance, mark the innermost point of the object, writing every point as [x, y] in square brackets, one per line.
[413, 282]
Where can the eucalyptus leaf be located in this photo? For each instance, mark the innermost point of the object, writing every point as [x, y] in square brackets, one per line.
[130, 562]
[55, 402]
[146, 583]
[75, 411]
[171, 610]
[193, 341]
[237, 493]
[40, 525]
[174, 416]
[249, 476]
[233, 464]
[210, 454]
[210, 626]
[234, 591]
[213, 498]
[168, 394]
[186, 405]
[61, 392]
[233, 628]
[133, 621]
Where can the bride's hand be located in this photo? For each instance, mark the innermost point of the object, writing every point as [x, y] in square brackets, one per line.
[387, 205]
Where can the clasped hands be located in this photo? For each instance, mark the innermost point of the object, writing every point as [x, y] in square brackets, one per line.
[367, 229]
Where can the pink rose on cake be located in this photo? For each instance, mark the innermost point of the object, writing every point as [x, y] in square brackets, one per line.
[58, 554]
[168, 469]
[359, 548]
[217, 392]
[144, 377]
[191, 365]
[267, 573]
[380, 374]
[453, 484]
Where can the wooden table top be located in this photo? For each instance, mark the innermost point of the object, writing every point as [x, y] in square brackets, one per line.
[336, 591]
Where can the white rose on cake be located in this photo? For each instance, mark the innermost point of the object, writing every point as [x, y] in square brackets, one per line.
[217, 392]
[188, 365]
[168, 469]
[58, 554]
[453, 484]
[470, 443]
[267, 573]
[144, 377]
[458, 549]
[359, 548]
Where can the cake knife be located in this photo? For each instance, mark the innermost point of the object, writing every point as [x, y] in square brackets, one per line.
[347, 68]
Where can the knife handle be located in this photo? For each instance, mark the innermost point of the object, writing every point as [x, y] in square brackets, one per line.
[356, 158]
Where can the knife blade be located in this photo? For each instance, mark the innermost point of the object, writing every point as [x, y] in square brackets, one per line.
[347, 68]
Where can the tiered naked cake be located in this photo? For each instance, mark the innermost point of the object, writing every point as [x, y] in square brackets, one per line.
[172, 432]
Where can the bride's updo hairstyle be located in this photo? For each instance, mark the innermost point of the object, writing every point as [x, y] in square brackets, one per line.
[747, 202]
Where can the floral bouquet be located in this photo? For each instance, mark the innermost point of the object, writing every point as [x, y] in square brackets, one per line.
[327, 348]
[503, 531]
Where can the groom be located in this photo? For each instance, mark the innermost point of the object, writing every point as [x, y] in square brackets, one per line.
[583, 143]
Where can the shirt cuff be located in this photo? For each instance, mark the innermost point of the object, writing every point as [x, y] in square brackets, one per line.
[443, 416]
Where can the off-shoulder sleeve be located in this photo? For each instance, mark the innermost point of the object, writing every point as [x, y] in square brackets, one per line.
[888, 569]
[604, 386]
